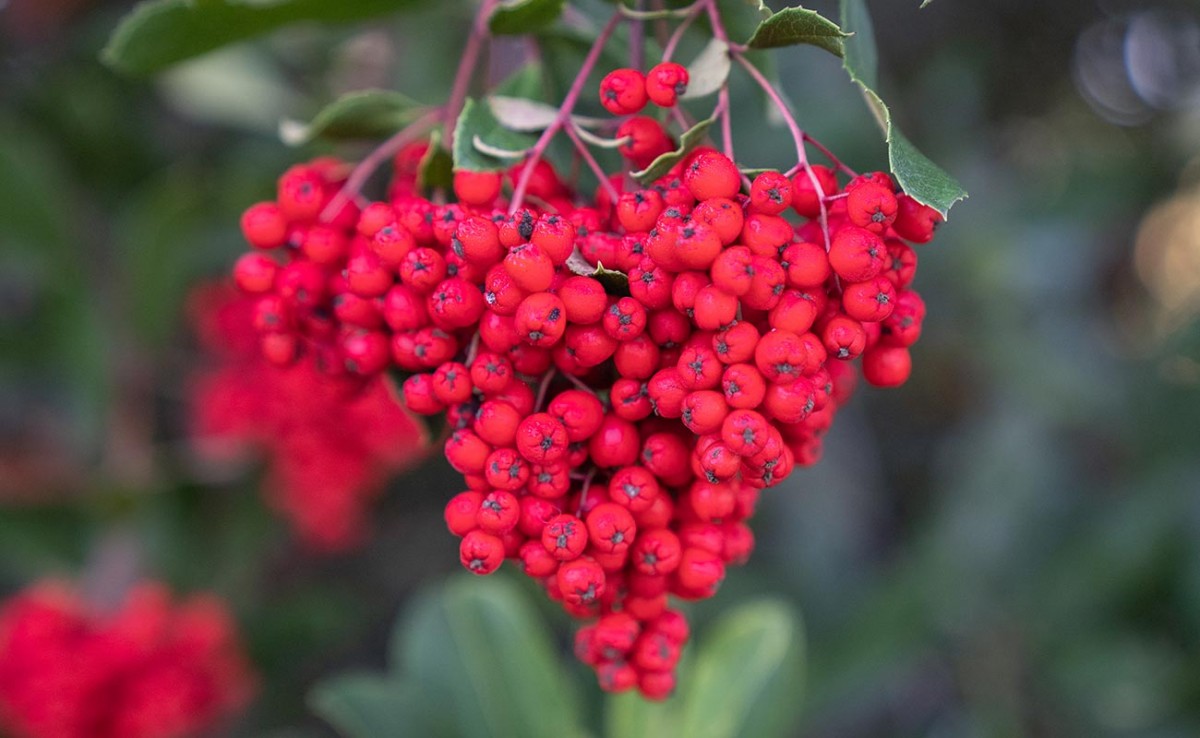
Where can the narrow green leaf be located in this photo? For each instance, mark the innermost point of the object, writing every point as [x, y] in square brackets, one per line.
[362, 114]
[688, 141]
[482, 658]
[709, 70]
[519, 17]
[436, 170]
[923, 180]
[159, 33]
[747, 679]
[792, 26]
[369, 706]
[478, 125]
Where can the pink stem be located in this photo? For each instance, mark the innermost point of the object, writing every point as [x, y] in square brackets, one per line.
[365, 168]
[829, 155]
[637, 36]
[466, 67]
[669, 49]
[598, 170]
[564, 113]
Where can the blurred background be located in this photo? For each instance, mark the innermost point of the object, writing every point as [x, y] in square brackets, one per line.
[1007, 546]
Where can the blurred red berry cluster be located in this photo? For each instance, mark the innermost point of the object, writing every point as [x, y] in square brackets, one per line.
[330, 444]
[153, 668]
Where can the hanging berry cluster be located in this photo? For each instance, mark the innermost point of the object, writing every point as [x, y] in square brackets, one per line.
[622, 374]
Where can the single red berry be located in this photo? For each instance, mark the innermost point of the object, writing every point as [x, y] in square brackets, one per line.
[481, 553]
[542, 438]
[255, 273]
[461, 512]
[541, 319]
[712, 174]
[857, 254]
[581, 581]
[611, 528]
[915, 222]
[771, 193]
[887, 366]
[264, 226]
[666, 82]
[479, 189]
[615, 443]
[808, 189]
[623, 91]
[565, 537]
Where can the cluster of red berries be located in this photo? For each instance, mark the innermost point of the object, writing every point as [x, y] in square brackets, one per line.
[152, 669]
[330, 444]
[614, 428]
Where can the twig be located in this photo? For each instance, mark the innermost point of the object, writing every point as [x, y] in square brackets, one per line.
[564, 113]
[597, 170]
[365, 168]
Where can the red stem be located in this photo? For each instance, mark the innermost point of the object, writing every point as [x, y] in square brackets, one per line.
[564, 113]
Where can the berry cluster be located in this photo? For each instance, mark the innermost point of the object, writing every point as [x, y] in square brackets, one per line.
[330, 445]
[614, 425]
[152, 669]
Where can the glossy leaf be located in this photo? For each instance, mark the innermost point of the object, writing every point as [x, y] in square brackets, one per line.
[160, 33]
[918, 176]
[478, 125]
[793, 26]
[482, 658]
[747, 676]
[709, 70]
[688, 141]
[368, 114]
[520, 17]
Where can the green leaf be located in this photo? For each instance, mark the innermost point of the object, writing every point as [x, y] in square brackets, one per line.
[747, 679]
[526, 82]
[362, 114]
[792, 26]
[369, 706]
[615, 282]
[688, 141]
[482, 659]
[436, 170]
[524, 16]
[160, 33]
[478, 125]
[709, 70]
[923, 180]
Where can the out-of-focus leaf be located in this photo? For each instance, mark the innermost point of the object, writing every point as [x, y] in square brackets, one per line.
[747, 677]
[159, 33]
[436, 170]
[918, 176]
[688, 141]
[709, 70]
[519, 17]
[480, 656]
[477, 124]
[794, 26]
[360, 114]
[370, 706]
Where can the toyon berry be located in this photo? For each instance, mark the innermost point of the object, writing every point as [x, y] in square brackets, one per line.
[620, 375]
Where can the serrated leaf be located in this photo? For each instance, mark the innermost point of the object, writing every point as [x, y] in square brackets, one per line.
[709, 70]
[923, 180]
[483, 659]
[369, 706]
[519, 114]
[369, 114]
[527, 116]
[477, 124]
[792, 26]
[436, 170]
[520, 17]
[159, 33]
[688, 141]
[748, 675]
